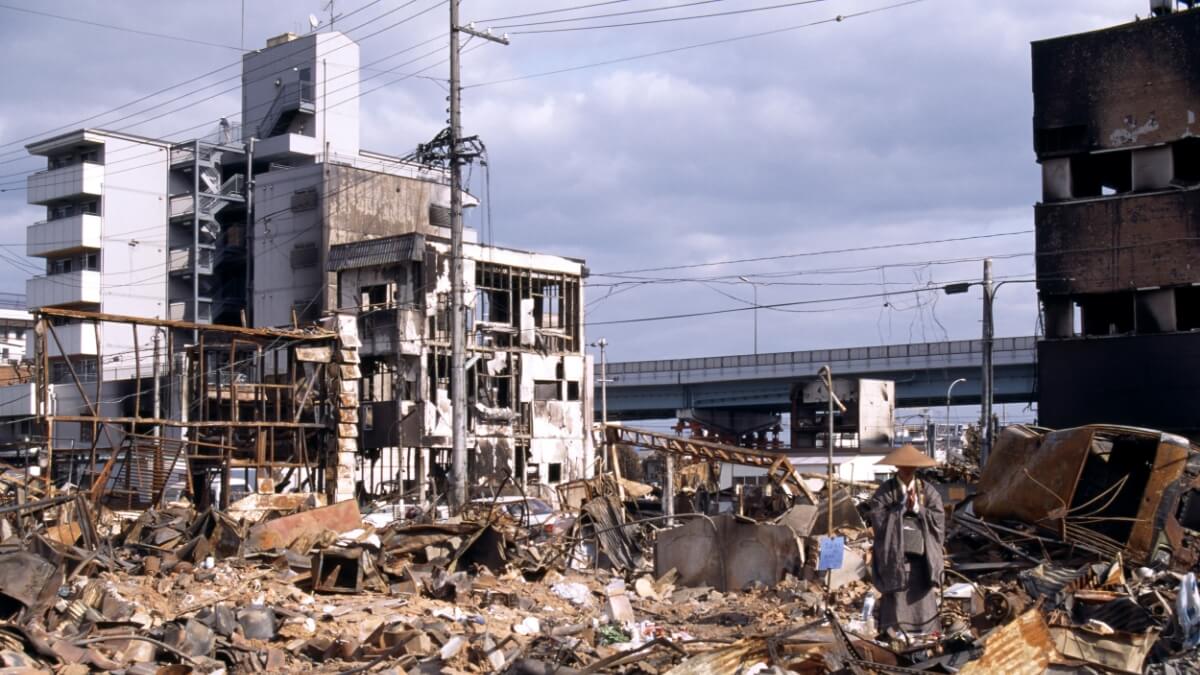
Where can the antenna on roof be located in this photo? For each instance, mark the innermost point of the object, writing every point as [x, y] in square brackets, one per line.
[313, 22]
[332, 16]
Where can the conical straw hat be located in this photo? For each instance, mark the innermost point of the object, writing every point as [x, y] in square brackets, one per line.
[907, 455]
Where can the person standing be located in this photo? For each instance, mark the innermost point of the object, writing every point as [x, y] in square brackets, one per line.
[907, 556]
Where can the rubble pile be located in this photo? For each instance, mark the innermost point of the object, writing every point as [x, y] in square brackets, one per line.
[288, 583]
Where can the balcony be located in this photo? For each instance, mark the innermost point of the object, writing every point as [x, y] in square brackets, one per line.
[68, 182]
[18, 400]
[180, 262]
[77, 340]
[72, 288]
[62, 235]
[182, 311]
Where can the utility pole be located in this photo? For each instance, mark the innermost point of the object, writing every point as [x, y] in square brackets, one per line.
[458, 316]
[985, 409]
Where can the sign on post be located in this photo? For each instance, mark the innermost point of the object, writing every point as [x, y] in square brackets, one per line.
[832, 550]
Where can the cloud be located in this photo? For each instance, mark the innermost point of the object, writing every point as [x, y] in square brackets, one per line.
[901, 126]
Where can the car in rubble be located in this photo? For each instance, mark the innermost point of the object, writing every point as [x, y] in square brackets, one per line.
[540, 517]
[1114, 489]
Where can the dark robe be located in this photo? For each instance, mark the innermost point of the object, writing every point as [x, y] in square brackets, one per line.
[907, 584]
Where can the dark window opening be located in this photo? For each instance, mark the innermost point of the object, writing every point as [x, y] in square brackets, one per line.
[572, 391]
[373, 296]
[546, 391]
[1187, 160]
[1099, 174]
[554, 472]
[1060, 139]
[1187, 308]
[1111, 314]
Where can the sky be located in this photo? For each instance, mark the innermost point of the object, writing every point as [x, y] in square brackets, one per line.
[873, 159]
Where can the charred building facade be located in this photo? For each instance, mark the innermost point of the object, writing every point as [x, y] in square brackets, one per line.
[529, 380]
[1118, 226]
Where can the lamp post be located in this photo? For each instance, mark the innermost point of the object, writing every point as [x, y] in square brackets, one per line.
[949, 390]
[755, 287]
[986, 431]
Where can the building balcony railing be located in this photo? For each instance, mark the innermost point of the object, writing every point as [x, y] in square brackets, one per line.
[183, 311]
[76, 180]
[78, 339]
[63, 235]
[18, 400]
[181, 261]
[72, 288]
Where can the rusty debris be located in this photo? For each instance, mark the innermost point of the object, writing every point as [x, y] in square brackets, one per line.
[1046, 571]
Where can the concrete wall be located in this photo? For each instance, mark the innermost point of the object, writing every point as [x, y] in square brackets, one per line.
[1118, 244]
[1148, 381]
[1135, 84]
[133, 254]
[332, 60]
[282, 232]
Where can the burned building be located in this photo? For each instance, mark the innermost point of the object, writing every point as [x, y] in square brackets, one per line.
[1118, 226]
[529, 381]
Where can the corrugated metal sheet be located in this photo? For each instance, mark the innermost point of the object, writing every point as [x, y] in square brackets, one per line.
[372, 252]
[1023, 647]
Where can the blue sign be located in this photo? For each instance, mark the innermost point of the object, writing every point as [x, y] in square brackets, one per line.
[832, 551]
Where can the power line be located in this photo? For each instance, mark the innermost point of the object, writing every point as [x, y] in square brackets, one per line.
[349, 85]
[551, 11]
[794, 303]
[611, 14]
[119, 28]
[662, 52]
[805, 254]
[256, 69]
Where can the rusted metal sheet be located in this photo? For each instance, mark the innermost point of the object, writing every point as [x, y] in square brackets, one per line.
[314, 354]
[1023, 647]
[283, 532]
[736, 658]
[338, 570]
[1093, 485]
[727, 554]
[1121, 652]
[1031, 477]
[27, 578]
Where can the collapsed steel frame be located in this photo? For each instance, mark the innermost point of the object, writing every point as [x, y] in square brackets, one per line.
[248, 399]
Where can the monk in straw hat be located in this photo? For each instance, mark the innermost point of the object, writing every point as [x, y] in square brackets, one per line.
[906, 568]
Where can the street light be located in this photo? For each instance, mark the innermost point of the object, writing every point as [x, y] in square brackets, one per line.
[986, 393]
[755, 287]
[948, 391]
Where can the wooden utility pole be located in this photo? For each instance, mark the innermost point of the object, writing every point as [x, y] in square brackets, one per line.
[458, 316]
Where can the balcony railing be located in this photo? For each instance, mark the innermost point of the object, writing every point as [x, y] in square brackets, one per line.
[72, 288]
[76, 180]
[180, 261]
[62, 235]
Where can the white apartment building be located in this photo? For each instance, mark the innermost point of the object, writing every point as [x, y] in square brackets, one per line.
[233, 229]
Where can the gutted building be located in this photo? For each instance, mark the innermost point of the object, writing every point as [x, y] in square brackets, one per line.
[1118, 226]
[529, 380]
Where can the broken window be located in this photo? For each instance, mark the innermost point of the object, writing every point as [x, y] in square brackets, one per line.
[1104, 173]
[572, 391]
[1187, 308]
[546, 391]
[1187, 160]
[1108, 314]
[554, 472]
[495, 391]
[374, 296]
